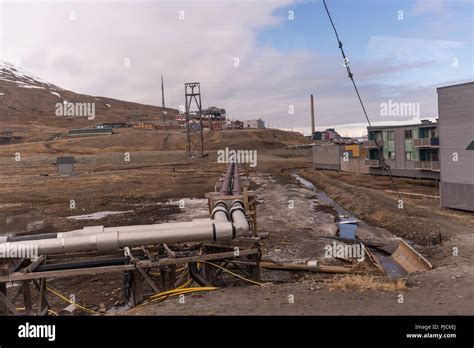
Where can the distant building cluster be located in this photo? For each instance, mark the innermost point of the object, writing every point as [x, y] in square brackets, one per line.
[213, 118]
[441, 150]
[217, 121]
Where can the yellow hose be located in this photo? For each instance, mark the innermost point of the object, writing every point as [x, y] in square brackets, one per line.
[234, 274]
[64, 298]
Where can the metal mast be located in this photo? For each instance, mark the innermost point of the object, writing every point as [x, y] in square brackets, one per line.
[192, 92]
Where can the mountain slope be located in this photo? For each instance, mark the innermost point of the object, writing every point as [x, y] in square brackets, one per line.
[28, 100]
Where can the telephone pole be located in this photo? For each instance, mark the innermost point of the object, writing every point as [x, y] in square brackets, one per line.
[163, 99]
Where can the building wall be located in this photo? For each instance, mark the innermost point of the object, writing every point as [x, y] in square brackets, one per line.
[456, 132]
[254, 123]
[65, 169]
[400, 166]
[354, 165]
[407, 173]
[354, 150]
[90, 131]
[327, 157]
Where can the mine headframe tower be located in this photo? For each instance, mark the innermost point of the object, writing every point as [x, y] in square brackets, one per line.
[193, 93]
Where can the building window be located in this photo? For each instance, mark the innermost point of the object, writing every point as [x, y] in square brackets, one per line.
[391, 135]
[391, 155]
[409, 155]
[408, 134]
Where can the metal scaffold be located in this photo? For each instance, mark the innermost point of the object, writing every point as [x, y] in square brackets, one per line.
[192, 91]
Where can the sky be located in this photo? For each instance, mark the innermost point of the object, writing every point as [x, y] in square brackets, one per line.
[256, 59]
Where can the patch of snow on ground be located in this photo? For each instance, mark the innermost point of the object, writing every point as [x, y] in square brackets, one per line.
[30, 86]
[13, 73]
[99, 215]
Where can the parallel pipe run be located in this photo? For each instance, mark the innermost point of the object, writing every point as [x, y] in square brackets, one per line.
[227, 182]
[225, 224]
[236, 184]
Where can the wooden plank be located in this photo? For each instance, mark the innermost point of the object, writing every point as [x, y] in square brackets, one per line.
[225, 255]
[8, 304]
[32, 266]
[66, 273]
[27, 297]
[148, 279]
[17, 276]
[412, 194]
[3, 291]
[42, 289]
[137, 288]
[17, 293]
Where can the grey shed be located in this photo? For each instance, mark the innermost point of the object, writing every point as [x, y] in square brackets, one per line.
[65, 165]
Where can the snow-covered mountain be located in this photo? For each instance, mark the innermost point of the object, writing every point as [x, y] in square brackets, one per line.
[26, 99]
[12, 73]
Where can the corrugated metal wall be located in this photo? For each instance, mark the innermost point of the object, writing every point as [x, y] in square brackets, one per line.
[456, 131]
[327, 156]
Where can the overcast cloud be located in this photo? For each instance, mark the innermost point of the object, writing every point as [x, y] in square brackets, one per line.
[84, 47]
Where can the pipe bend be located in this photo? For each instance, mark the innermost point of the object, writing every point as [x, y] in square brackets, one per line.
[240, 224]
[196, 276]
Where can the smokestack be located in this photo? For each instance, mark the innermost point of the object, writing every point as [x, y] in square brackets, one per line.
[313, 129]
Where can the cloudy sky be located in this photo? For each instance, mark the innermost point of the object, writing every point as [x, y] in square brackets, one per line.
[254, 58]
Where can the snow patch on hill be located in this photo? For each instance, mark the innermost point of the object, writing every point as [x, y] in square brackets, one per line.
[12, 73]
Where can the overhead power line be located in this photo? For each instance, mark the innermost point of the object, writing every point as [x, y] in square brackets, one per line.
[385, 166]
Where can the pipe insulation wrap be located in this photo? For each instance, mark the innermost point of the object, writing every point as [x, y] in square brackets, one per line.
[114, 238]
[224, 225]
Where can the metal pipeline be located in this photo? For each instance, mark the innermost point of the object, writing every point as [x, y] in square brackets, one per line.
[226, 224]
[226, 183]
[196, 276]
[99, 238]
[236, 184]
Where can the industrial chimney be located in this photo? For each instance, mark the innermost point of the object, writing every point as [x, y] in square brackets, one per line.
[313, 129]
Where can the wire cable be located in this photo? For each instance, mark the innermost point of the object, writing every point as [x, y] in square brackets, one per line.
[232, 273]
[385, 166]
[65, 299]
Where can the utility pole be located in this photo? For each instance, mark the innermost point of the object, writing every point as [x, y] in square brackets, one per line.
[313, 126]
[163, 99]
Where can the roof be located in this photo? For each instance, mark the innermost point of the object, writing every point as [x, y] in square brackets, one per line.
[418, 125]
[457, 85]
[65, 160]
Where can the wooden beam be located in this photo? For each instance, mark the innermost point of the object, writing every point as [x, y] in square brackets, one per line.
[3, 291]
[27, 297]
[32, 266]
[17, 276]
[10, 306]
[42, 303]
[137, 288]
[148, 279]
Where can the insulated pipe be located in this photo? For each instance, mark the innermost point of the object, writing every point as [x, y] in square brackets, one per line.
[226, 183]
[219, 213]
[100, 238]
[236, 185]
[240, 223]
[29, 237]
[113, 238]
[90, 230]
[196, 276]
